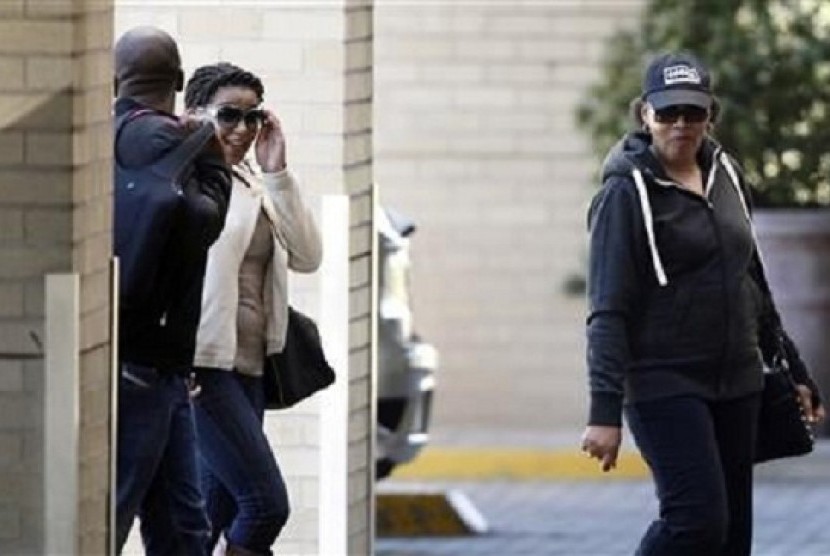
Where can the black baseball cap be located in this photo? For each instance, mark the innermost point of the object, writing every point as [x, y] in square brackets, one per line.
[677, 78]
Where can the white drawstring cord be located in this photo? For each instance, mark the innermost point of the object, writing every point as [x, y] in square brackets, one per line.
[645, 206]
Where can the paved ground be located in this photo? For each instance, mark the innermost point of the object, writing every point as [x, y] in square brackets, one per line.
[607, 519]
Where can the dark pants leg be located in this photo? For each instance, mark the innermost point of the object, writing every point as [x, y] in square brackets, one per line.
[220, 504]
[155, 442]
[700, 455]
[240, 474]
[175, 494]
[736, 428]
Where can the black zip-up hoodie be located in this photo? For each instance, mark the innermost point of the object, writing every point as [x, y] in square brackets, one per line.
[673, 305]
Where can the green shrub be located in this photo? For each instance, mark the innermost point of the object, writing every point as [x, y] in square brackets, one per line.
[770, 63]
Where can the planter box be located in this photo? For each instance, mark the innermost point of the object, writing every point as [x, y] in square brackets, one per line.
[795, 245]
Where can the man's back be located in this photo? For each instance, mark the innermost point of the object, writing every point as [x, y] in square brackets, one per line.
[160, 331]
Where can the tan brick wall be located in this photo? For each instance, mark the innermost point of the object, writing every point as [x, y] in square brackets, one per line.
[358, 178]
[315, 61]
[55, 202]
[475, 140]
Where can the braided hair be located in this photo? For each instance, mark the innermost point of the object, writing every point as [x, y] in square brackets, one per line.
[206, 80]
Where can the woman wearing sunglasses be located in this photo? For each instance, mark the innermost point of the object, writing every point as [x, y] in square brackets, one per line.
[676, 319]
[244, 309]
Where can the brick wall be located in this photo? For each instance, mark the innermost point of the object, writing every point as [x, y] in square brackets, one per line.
[55, 82]
[476, 141]
[358, 179]
[315, 61]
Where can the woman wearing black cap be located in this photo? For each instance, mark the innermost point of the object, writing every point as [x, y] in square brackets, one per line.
[676, 319]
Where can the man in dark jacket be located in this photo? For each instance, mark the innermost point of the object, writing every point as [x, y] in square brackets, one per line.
[156, 459]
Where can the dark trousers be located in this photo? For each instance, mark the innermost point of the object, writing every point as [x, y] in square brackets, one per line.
[700, 454]
[156, 460]
[244, 490]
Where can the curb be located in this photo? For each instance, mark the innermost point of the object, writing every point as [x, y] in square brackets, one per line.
[436, 463]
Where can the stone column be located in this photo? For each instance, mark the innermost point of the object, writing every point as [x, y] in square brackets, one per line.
[55, 179]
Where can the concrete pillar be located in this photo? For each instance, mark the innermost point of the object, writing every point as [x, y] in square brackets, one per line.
[55, 88]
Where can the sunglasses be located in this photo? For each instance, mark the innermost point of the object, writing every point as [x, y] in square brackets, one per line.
[690, 114]
[229, 116]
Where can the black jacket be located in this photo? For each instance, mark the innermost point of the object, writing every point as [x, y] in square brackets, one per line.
[162, 332]
[675, 305]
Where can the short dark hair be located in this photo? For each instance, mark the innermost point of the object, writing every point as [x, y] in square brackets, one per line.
[636, 105]
[206, 80]
[147, 64]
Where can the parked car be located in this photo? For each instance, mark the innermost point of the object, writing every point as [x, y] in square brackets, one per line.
[406, 364]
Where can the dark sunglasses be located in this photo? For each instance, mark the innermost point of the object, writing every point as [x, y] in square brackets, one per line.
[230, 116]
[690, 114]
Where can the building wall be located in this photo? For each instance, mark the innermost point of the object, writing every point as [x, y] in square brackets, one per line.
[315, 60]
[55, 86]
[475, 140]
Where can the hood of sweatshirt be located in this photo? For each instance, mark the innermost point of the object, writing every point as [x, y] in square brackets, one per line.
[634, 151]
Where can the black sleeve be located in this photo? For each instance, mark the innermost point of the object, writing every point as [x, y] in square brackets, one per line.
[147, 138]
[207, 190]
[207, 194]
[206, 185]
[616, 240]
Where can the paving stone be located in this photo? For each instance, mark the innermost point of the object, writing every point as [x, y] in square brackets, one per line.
[607, 519]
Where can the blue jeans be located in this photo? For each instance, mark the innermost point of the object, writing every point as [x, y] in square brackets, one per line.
[156, 459]
[701, 455]
[244, 490]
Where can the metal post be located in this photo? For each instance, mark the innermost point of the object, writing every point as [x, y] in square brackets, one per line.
[114, 374]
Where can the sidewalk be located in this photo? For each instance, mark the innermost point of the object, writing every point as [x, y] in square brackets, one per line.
[605, 515]
[607, 519]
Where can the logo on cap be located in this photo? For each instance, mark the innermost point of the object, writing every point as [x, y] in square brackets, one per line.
[674, 75]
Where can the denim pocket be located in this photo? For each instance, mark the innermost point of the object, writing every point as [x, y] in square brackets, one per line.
[138, 376]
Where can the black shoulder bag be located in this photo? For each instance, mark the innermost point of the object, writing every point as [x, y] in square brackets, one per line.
[300, 369]
[783, 429]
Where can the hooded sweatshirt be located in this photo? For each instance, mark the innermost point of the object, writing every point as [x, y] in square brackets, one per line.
[673, 305]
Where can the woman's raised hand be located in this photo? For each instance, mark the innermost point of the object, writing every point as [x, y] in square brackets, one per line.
[270, 144]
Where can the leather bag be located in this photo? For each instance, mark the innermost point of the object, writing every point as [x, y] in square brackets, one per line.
[301, 369]
[783, 430]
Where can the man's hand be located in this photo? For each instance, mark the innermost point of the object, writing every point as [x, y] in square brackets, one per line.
[602, 443]
[805, 397]
[270, 145]
[191, 121]
[193, 388]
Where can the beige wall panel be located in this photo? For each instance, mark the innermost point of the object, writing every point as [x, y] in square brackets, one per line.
[475, 140]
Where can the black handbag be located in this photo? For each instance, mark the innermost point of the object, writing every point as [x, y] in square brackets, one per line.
[146, 203]
[783, 430]
[300, 369]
